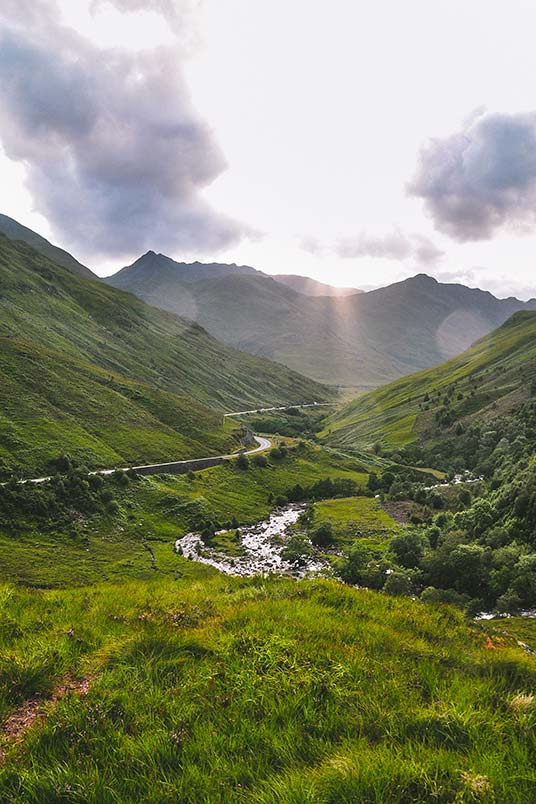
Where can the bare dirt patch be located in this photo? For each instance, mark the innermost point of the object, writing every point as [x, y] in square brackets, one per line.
[399, 511]
[18, 723]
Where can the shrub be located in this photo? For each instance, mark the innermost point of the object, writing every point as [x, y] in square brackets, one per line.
[322, 536]
[398, 583]
[242, 461]
[298, 549]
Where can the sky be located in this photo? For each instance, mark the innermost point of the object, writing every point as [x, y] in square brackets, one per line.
[355, 142]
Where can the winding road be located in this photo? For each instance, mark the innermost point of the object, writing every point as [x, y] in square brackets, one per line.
[179, 467]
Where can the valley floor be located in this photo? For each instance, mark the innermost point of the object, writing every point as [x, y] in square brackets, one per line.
[129, 672]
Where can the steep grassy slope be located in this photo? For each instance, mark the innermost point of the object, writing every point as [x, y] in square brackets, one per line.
[16, 231]
[364, 339]
[258, 691]
[94, 372]
[492, 378]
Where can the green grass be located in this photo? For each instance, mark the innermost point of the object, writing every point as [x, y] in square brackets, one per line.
[260, 691]
[356, 518]
[153, 513]
[92, 371]
[492, 377]
[521, 628]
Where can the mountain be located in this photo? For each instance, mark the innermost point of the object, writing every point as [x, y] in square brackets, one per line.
[312, 287]
[16, 231]
[94, 372]
[492, 379]
[162, 272]
[365, 339]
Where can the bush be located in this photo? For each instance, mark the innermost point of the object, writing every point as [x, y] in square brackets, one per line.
[242, 461]
[297, 550]
[398, 583]
[433, 595]
[260, 460]
[322, 536]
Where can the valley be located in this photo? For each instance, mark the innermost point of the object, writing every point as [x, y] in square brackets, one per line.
[273, 541]
[267, 402]
[358, 340]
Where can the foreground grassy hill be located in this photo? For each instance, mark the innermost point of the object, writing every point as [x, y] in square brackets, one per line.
[258, 691]
[96, 373]
[493, 378]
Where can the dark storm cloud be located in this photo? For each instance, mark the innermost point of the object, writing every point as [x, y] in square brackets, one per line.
[391, 246]
[482, 178]
[115, 152]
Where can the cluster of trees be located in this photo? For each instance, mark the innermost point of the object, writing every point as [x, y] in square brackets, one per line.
[277, 454]
[479, 446]
[293, 423]
[477, 545]
[323, 489]
[61, 500]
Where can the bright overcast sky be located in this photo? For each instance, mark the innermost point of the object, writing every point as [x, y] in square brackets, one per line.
[355, 142]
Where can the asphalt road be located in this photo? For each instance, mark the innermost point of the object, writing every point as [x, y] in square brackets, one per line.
[263, 444]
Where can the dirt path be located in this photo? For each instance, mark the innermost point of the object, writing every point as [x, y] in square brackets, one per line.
[18, 723]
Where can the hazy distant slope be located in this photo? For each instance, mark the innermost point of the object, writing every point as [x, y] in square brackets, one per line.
[365, 339]
[493, 377]
[16, 231]
[312, 287]
[90, 370]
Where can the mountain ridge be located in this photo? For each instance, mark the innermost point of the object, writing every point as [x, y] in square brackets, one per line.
[363, 339]
[16, 231]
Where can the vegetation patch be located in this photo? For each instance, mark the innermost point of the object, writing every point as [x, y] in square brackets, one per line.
[293, 690]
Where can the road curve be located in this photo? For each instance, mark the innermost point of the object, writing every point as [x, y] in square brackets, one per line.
[213, 460]
[282, 407]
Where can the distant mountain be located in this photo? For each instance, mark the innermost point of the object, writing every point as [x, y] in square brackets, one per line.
[159, 269]
[365, 339]
[312, 287]
[16, 231]
[93, 372]
[437, 407]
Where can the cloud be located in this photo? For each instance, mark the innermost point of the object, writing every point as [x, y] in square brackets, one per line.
[312, 246]
[481, 179]
[116, 155]
[391, 246]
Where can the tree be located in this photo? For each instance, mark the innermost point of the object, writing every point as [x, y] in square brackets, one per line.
[407, 549]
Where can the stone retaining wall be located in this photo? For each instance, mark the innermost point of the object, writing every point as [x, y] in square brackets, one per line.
[178, 467]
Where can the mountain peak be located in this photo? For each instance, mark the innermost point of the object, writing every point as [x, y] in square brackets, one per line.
[423, 279]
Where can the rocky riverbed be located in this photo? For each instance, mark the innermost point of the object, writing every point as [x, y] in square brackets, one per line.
[261, 545]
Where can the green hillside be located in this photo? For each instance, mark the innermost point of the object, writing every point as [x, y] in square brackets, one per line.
[493, 378]
[96, 373]
[16, 231]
